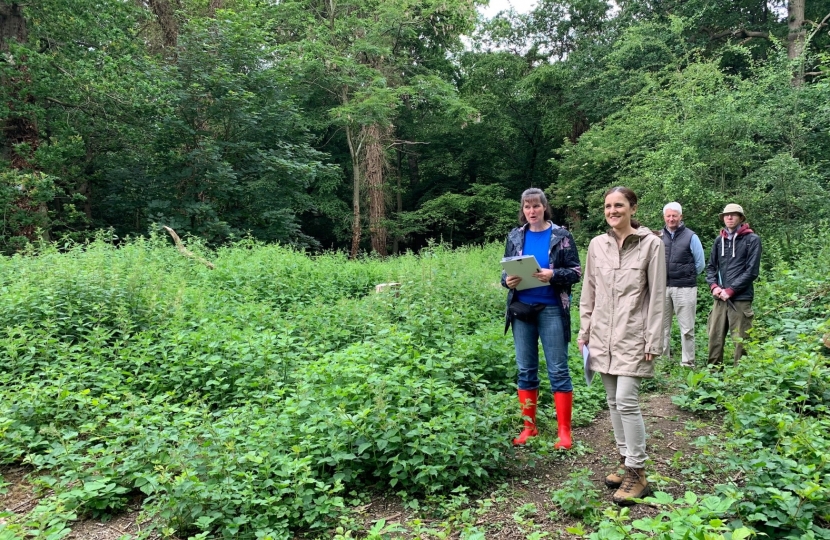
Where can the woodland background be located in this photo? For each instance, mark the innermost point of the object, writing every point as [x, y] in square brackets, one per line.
[372, 126]
[283, 139]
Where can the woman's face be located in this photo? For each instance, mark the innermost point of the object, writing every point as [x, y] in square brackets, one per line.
[534, 211]
[618, 211]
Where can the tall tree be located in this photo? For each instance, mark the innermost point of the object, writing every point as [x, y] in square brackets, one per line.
[21, 134]
[21, 138]
[230, 154]
[372, 58]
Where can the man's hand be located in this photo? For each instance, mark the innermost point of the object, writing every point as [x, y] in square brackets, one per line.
[724, 295]
[716, 292]
[512, 281]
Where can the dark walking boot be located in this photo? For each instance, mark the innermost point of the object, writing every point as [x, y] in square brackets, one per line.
[634, 486]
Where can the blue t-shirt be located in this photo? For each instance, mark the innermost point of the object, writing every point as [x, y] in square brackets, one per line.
[538, 245]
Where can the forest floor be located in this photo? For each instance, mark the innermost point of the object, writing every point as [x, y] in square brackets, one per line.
[522, 507]
[519, 507]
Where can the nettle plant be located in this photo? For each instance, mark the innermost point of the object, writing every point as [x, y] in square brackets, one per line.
[775, 405]
[248, 400]
[686, 517]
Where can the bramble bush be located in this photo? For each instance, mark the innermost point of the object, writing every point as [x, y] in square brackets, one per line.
[249, 401]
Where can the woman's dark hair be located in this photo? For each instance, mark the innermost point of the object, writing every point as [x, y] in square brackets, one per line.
[533, 194]
[630, 196]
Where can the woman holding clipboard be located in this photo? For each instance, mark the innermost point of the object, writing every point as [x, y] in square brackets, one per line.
[542, 312]
[621, 314]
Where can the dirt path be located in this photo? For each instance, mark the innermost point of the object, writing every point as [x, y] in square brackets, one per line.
[521, 506]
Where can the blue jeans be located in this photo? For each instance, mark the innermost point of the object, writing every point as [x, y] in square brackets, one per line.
[549, 326]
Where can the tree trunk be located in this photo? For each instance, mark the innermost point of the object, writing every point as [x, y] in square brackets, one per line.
[398, 201]
[19, 126]
[412, 161]
[213, 6]
[796, 38]
[354, 151]
[167, 20]
[375, 184]
[12, 25]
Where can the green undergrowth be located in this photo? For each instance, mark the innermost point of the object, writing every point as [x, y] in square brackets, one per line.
[773, 457]
[256, 399]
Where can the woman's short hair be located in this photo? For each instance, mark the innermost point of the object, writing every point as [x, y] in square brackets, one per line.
[533, 194]
[629, 195]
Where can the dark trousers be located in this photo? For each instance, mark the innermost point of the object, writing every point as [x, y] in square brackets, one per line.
[736, 321]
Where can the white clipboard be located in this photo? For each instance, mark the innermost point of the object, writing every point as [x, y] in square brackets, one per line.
[586, 362]
[523, 266]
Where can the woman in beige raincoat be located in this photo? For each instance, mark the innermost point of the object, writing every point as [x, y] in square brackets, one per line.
[621, 314]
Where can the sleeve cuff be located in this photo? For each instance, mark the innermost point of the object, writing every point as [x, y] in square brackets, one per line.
[712, 286]
[730, 292]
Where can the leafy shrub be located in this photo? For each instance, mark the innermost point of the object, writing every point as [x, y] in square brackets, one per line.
[578, 497]
[686, 517]
[776, 403]
[244, 402]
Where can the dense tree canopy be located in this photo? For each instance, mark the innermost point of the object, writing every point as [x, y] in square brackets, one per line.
[376, 125]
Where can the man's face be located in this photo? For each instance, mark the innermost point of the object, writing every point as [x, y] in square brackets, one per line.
[672, 219]
[731, 220]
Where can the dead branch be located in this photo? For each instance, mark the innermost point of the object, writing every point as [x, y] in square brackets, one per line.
[819, 25]
[740, 33]
[186, 252]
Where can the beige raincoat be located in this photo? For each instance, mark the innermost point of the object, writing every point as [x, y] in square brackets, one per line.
[621, 308]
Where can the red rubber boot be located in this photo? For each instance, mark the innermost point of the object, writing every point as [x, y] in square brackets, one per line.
[564, 405]
[528, 400]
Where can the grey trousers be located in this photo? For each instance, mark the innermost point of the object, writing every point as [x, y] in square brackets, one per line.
[681, 301]
[623, 396]
[736, 321]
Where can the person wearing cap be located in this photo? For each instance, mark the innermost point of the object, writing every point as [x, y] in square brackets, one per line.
[684, 261]
[733, 266]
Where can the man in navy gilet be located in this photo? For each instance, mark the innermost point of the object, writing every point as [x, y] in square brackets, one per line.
[684, 261]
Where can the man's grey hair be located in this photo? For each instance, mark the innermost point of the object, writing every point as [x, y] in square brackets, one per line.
[673, 206]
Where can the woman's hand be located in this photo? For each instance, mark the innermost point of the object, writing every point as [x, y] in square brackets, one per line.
[512, 281]
[581, 344]
[650, 357]
[545, 275]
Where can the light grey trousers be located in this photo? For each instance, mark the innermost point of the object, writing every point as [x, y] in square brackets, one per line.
[681, 301]
[623, 396]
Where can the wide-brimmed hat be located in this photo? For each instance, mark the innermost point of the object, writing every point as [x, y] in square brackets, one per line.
[732, 208]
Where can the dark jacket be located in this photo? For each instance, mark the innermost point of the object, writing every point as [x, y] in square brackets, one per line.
[680, 263]
[734, 264]
[564, 261]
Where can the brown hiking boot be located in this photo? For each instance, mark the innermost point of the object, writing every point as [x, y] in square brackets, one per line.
[634, 486]
[615, 479]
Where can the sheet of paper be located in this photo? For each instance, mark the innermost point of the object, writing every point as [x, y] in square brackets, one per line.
[524, 267]
[586, 361]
